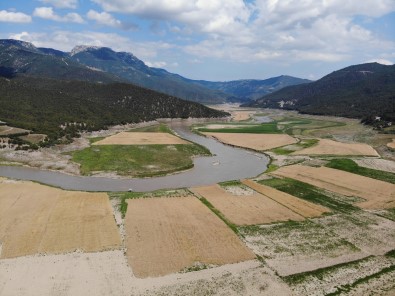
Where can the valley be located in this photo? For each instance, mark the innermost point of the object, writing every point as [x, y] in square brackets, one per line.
[285, 230]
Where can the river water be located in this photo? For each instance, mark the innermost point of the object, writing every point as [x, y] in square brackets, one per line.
[228, 163]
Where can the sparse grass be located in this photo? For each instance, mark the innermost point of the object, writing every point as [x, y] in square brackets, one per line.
[157, 128]
[137, 160]
[271, 168]
[320, 273]
[96, 139]
[349, 165]
[310, 193]
[220, 215]
[231, 183]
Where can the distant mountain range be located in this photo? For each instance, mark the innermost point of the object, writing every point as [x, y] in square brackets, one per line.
[102, 64]
[362, 91]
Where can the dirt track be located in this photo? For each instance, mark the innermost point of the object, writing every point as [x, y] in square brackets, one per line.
[329, 147]
[166, 235]
[378, 194]
[302, 207]
[138, 138]
[248, 209]
[40, 219]
[254, 141]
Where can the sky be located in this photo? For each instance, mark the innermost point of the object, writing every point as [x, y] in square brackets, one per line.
[216, 40]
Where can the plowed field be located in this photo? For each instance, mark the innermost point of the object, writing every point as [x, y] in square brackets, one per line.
[166, 235]
[329, 147]
[246, 210]
[40, 219]
[254, 141]
[141, 138]
[378, 194]
[300, 206]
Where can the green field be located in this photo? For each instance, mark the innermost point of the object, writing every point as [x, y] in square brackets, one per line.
[349, 165]
[139, 160]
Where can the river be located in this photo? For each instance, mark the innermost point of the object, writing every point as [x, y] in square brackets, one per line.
[228, 163]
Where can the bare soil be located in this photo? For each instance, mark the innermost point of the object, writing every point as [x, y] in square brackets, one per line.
[40, 219]
[377, 194]
[166, 235]
[391, 144]
[139, 138]
[246, 210]
[297, 205]
[9, 130]
[241, 115]
[377, 164]
[254, 141]
[329, 147]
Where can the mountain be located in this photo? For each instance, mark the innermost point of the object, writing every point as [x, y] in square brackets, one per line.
[130, 68]
[102, 64]
[252, 89]
[62, 108]
[361, 91]
[23, 58]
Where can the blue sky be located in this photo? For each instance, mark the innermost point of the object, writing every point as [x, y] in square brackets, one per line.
[215, 39]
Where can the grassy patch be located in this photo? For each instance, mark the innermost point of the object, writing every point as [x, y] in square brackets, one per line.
[231, 183]
[157, 128]
[310, 193]
[320, 273]
[264, 128]
[220, 215]
[302, 144]
[96, 139]
[137, 160]
[349, 165]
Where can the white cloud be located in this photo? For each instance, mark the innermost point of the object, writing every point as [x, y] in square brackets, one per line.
[14, 17]
[62, 3]
[104, 18]
[156, 64]
[66, 40]
[380, 61]
[49, 14]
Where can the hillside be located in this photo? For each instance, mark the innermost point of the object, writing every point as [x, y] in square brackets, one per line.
[361, 91]
[252, 89]
[23, 58]
[60, 109]
[130, 68]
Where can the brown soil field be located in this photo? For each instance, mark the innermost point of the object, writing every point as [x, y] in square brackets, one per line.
[40, 219]
[377, 164]
[297, 205]
[166, 235]
[378, 194]
[9, 130]
[254, 141]
[329, 147]
[141, 138]
[241, 115]
[391, 144]
[248, 209]
[34, 138]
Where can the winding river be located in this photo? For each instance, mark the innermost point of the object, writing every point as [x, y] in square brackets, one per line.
[228, 163]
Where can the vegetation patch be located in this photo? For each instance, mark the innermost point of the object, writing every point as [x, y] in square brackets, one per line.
[313, 194]
[349, 165]
[137, 161]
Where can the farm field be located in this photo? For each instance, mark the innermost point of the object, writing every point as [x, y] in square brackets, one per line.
[377, 164]
[33, 138]
[169, 234]
[297, 205]
[378, 194]
[329, 147]
[39, 219]
[242, 115]
[9, 130]
[246, 209]
[258, 142]
[391, 144]
[141, 138]
[143, 152]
